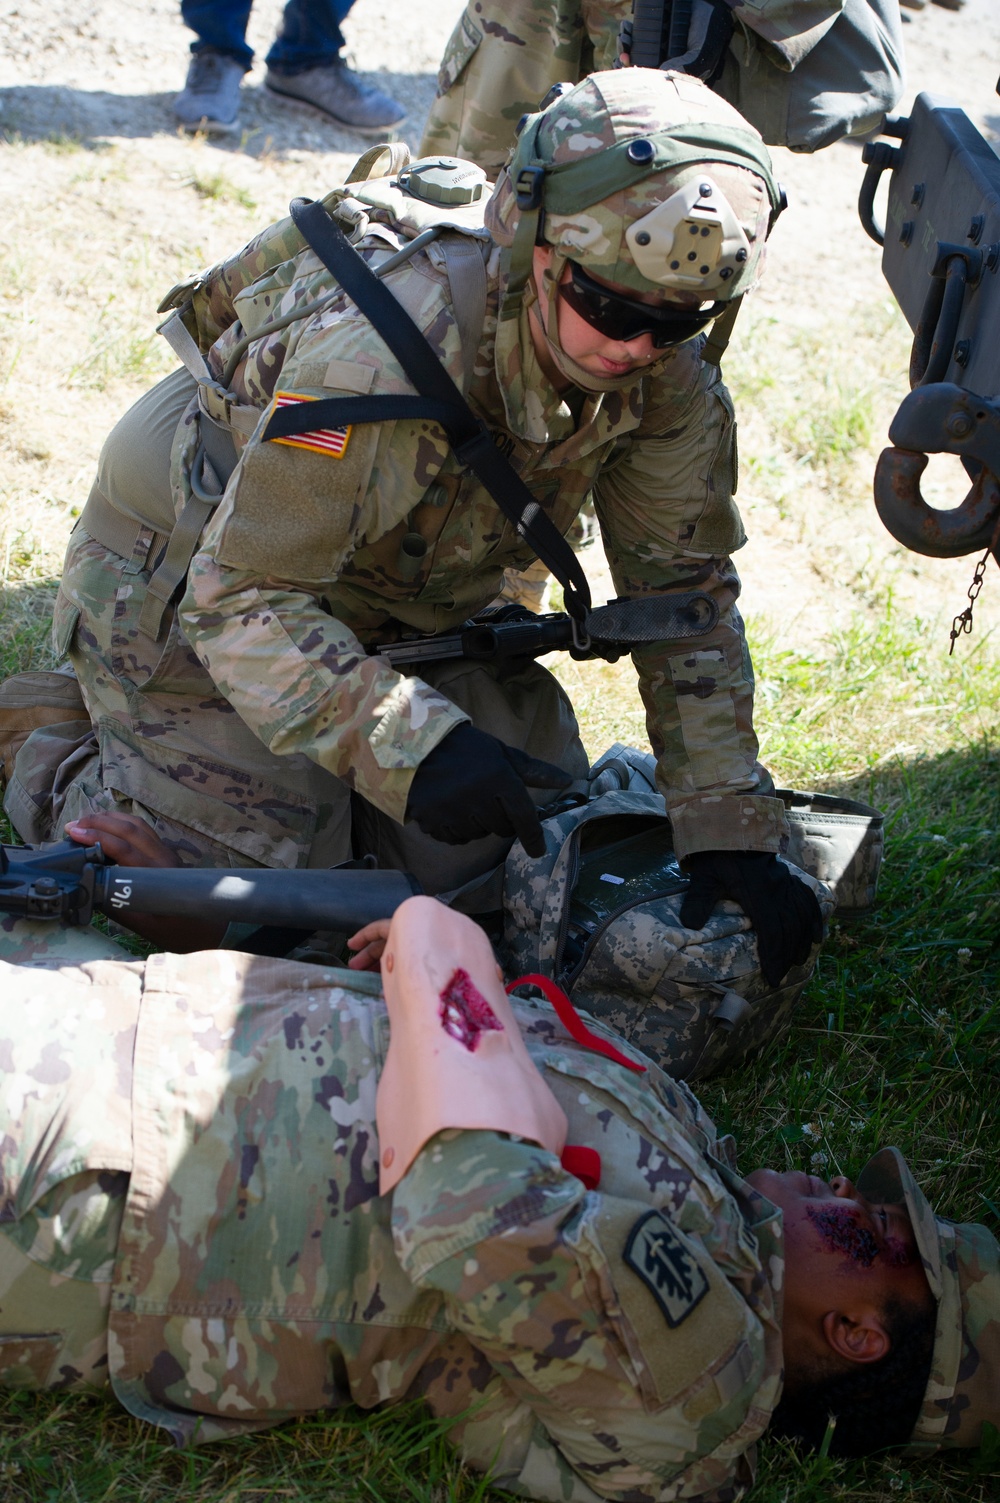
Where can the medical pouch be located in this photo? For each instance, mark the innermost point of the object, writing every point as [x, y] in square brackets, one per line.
[599, 914]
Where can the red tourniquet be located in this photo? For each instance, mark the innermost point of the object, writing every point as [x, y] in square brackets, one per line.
[584, 1163]
[572, 1022]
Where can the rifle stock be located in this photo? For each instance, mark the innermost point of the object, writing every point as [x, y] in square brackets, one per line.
[606, 632]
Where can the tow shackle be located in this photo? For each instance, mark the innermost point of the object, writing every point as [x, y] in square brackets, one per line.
[941, 418]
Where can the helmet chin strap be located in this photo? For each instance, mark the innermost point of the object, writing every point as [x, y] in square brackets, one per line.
[548, 315]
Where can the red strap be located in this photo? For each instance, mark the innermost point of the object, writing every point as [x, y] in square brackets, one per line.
[584, 1163]
[572, 1022]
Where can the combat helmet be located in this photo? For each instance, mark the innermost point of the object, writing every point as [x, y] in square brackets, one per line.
[647, 179]
[962, 1264]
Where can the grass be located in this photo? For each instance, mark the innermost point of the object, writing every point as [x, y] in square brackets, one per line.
[847, 389]
[58, 143]
[896, 1039]
[215, 185]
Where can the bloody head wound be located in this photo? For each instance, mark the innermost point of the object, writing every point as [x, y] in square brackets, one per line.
[840, 1232]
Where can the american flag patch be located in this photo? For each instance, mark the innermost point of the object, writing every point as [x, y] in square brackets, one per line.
[332, 441]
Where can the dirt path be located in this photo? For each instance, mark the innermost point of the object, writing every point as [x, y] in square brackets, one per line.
[105, 206]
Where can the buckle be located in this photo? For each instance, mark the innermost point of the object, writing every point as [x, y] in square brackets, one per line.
[528, 187]
[478, 442]
[581, 638]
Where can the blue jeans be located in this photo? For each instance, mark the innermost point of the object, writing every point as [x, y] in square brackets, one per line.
[310, 34]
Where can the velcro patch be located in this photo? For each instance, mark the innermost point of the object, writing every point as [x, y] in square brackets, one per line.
[332, 441]
[656, 1253]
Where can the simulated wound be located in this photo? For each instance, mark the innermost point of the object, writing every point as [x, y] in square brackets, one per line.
[465, 1013]
[841, 1233]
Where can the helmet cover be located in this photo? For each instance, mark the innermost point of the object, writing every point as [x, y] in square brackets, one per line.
[616, 166]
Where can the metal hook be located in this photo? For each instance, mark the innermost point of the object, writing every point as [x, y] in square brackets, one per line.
[922, 528]
[877, 156]
[941, 419]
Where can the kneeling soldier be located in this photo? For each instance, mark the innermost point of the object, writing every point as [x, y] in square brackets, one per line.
[251, 723]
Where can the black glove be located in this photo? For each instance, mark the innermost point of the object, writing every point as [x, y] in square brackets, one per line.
[781, 908]
[472, 785]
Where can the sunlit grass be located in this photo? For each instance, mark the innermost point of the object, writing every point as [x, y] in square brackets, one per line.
[217, 186]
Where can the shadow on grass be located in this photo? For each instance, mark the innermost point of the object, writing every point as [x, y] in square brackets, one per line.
[68, 119]
[898, 1036]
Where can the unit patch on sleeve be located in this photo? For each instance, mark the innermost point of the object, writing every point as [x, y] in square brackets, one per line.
[332, 441]
[656, 1253]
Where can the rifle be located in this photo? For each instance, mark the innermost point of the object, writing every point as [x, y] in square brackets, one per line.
[607, 632]
[940, 257]
[69, 882]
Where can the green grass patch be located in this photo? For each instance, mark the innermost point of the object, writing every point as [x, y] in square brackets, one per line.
[824, 418]
[216, 185]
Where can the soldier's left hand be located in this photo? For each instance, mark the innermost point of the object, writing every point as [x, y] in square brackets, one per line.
[781, 908]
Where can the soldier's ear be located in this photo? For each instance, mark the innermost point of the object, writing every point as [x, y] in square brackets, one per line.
[857, 1335]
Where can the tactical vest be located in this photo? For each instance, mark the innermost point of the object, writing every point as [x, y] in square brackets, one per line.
[374, 202]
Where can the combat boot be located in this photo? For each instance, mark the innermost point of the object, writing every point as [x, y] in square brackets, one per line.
[338, 93]
[29, 701]
[210, 98]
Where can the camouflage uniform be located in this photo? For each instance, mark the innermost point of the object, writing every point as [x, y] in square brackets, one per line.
[500, 62]
[190, 1171]
[309, 558]
[505, 55]
[203, 1230]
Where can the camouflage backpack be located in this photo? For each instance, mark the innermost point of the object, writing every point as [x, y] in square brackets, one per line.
[599, 914]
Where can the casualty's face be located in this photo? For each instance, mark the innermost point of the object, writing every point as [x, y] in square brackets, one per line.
[841, 1247]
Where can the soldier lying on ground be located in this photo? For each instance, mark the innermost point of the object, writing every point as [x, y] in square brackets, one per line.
[226, 1197]
[249, 724]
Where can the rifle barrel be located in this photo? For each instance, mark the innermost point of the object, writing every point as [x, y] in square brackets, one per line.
[339, 900]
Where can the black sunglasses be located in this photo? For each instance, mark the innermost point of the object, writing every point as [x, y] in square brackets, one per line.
[624, 318]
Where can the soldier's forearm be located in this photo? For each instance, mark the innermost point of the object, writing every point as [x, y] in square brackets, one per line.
[699, 702]
[303, 683]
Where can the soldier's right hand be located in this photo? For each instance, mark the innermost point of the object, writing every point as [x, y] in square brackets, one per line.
[124, 838]
[473, 784]
[128, 840]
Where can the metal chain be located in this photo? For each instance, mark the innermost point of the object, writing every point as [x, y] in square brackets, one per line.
[962, 624]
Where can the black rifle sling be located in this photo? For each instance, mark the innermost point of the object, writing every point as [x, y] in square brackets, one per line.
[440, 401]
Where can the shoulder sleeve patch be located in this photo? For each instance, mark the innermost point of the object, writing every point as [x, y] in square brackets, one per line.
[655, 1252]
